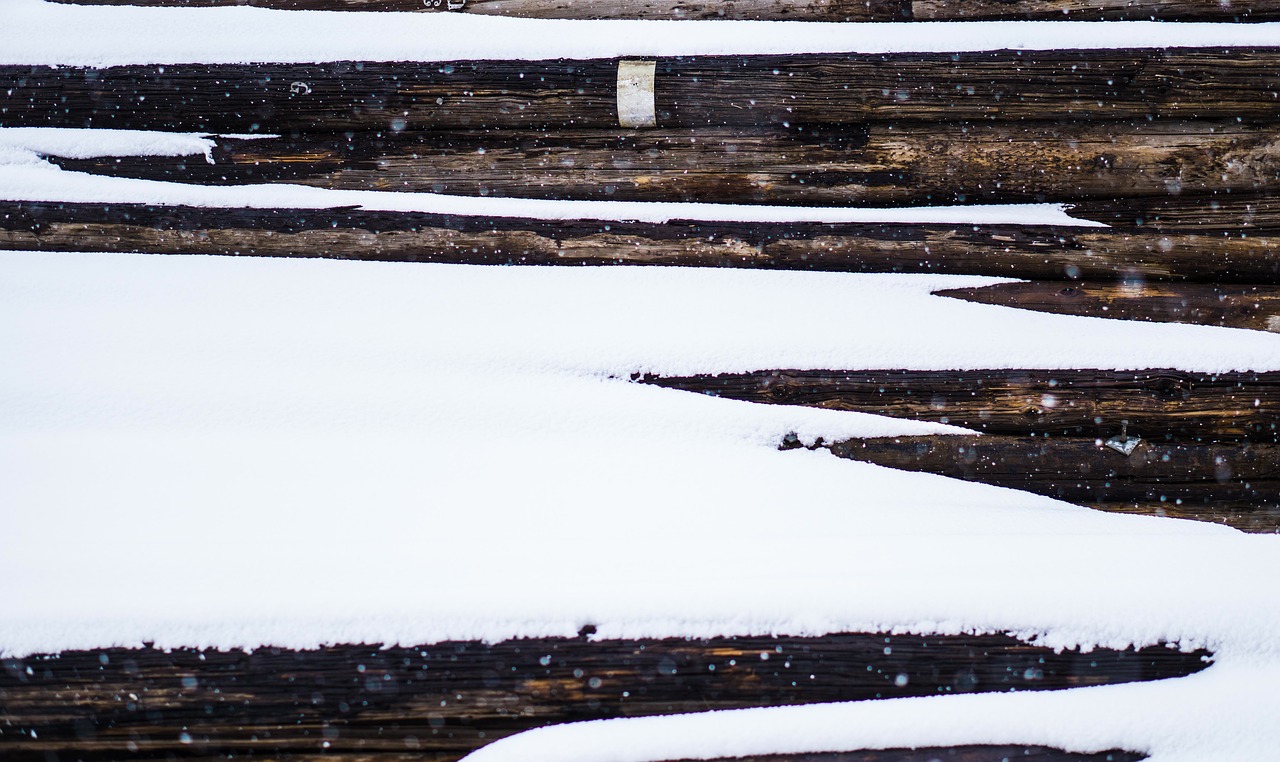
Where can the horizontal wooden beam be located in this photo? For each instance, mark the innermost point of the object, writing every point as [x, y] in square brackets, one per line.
[1233, 484]
[689, 92]
[783, 10]
[441, 701]
[1032, 252]
[877, 164]
[1252, 307]
[949, 754]
[1162, 406]
[1225, 213]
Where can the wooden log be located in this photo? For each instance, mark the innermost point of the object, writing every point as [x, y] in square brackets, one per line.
[1164, 406]
[1030, 252]
[1233, 484]
[783, 10]
[1207, 83]
[1253, 307]
[1227, 214]
[441, 701]
[878, 164]
[948, 754]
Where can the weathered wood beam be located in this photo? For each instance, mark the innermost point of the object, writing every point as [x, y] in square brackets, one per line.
[1253, 307]
[1226, 213]
[1233, 484]
[689, 92]
[1162, 406]
[879, 164]
[439, 702]
[947, 754]
[782, 10]
[1031, 252]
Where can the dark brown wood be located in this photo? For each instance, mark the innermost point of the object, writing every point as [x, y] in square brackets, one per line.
[1165, 406]
[949, 754]
[783, 10]
[749, 10]
[1226, 213]
[690, 92]
[1253, 307]
[877, 164]
[1233, 484]
[438, 702]
[1001, 250]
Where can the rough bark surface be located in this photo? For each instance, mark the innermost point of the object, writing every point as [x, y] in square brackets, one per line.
[784, 10]
[1253, 307]
[1166, 406]
[441, 701]
[877, 164]
[1085, 85]
[1030, 252]
[1233, 484]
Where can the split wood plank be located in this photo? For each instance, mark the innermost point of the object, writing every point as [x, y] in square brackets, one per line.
[1233, 484]
[1208, 83]
[1252, 307]
[1030, 252]
[439, 702]
[946, 754]
[1159, 405]
[1225, 213]
[877, 164]
[783, 10]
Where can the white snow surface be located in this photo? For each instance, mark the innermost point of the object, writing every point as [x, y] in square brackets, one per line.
[231, 452]
[37, 32]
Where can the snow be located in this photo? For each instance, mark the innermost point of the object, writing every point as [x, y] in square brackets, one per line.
[230, 452]
[36, 32]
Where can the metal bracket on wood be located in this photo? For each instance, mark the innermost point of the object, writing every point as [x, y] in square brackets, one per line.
[1122, 442]
[635, 94]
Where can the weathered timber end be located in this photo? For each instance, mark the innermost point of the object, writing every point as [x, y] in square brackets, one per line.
[1167, 406]
[1019, 251]
[783, 10]
[713, 91]
[1252, 307]
[441, 701]
[1233, 484]
[1205, 447]
[871, 164]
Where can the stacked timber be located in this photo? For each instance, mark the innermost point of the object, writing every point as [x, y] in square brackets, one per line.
[784, 10]
[1168, 159]
[441, 701]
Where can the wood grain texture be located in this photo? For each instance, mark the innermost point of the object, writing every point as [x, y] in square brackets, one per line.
[1166, 406]
[439, 702]
[1252, 307]
[784, 10]
[741, 10]
[879, 164]
[1233, 484]
[950, 754]
[1012, 251]
[690, 92]
[1225, 213]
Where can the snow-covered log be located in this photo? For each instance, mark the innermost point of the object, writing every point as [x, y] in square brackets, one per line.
[783, 10]
[1158, 405]
[1020, 251]
[441, 701]
[1233, 484]
[878, 163]
[688, 92]
[1255, 307]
